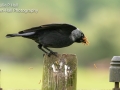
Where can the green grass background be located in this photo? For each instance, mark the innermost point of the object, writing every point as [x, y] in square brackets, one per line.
[29, 76]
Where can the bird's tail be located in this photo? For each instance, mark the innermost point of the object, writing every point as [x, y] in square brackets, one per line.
[12, 35]
[18, 35]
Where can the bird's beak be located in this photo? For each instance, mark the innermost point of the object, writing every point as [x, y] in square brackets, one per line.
[85, 41]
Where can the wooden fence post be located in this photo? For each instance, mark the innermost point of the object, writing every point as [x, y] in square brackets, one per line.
[59, 73]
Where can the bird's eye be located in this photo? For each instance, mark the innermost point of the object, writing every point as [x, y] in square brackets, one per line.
[82, 35]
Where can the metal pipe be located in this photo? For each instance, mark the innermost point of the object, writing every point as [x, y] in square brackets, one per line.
[115, 72]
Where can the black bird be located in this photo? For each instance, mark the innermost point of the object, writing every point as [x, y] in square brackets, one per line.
[53, 36]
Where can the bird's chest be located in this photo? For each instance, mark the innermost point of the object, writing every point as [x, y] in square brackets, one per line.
[61, 42]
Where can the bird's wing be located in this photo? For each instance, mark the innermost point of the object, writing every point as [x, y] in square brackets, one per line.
[33, 29]
[42, 27]
[62, 28]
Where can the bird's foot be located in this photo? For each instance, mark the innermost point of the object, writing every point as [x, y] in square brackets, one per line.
[43, 54]
[53, 53]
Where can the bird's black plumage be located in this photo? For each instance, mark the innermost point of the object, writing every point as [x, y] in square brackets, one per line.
[53, 35]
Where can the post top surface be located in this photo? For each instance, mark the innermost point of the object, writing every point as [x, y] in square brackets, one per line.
[116, 58]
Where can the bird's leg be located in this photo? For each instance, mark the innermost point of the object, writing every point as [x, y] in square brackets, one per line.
[48, 49]
[40, 47]
[51, 52]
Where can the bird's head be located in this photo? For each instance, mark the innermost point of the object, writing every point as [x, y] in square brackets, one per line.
[79, 37]
[83, 39]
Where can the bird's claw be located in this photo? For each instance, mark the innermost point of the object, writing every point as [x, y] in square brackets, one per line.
[43, 54]
[53, 53]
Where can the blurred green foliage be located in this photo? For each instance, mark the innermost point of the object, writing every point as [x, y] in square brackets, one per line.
[98, 19]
